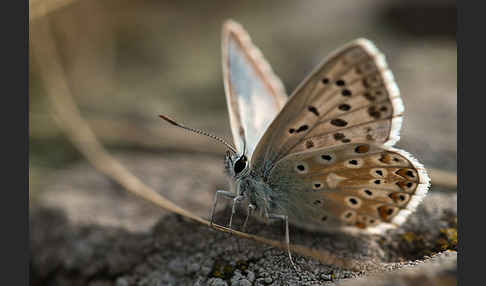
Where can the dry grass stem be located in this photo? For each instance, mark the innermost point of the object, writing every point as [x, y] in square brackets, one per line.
[40, 8]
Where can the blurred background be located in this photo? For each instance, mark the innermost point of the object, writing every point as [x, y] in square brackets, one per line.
[126, 61]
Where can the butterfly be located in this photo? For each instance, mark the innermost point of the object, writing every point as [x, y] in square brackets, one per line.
[321, 159]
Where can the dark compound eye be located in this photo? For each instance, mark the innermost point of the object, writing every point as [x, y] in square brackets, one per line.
[240, 165]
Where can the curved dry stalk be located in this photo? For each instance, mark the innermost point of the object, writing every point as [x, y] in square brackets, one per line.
[69, 119]
[41, 8]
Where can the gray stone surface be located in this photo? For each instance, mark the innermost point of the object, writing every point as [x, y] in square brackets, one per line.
[87, 230]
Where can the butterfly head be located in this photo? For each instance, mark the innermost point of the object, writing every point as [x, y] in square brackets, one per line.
[236, 165]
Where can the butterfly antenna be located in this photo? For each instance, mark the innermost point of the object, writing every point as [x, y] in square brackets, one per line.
[244, 146]
[198, 131]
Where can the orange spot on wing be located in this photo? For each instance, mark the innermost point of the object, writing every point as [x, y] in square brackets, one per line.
[362, 149]
[398, 197]
[402, 185]
[385, 212]
[386, 158]
[360, 225]
[406, 173]
[401, 172]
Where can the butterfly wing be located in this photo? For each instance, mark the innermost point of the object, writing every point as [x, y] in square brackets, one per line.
[359, 185]
[327, 156]
[350, 97]
[254, 94]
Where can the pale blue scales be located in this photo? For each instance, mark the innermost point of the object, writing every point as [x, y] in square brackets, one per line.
[251, 95]
[254, 94]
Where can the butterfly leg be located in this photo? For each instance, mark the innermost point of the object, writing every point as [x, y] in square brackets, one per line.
[285, 219]
[250, 209]
[223, 193]
[233, 209]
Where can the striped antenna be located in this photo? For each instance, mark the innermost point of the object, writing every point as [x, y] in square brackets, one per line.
[198, 131]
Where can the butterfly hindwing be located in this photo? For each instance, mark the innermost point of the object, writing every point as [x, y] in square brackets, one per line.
[350, 97]
[359, 185]
[254, 94]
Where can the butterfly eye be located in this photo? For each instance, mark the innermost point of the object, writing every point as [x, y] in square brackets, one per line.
[240, 165]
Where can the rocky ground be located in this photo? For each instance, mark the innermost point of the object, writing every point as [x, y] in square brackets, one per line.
[87, 230]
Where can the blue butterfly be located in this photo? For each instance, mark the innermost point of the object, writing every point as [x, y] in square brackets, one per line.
[321, 159]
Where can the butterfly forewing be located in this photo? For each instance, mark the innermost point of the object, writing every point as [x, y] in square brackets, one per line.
[351, 97]
[254, 94]
[358, 185]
